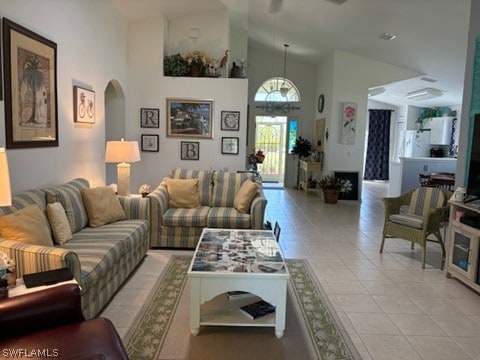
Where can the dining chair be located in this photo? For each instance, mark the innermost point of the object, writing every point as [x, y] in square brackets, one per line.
[424, 180]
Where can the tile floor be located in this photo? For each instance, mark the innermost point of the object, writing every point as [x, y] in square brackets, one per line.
[391, 307]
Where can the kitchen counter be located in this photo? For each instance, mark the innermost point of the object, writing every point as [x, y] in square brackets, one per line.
[428, 158]
[412, 167]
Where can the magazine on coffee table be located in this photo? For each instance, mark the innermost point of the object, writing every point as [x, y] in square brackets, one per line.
[257, 309]
[238, 295]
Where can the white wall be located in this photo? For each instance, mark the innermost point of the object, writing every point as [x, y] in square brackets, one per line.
[351, 76]
[149, 88]
[91, 51]
[213, 28]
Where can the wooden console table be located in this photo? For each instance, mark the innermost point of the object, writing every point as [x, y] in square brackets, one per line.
[307, 169]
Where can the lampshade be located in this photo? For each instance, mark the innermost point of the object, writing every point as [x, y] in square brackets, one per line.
[122, 151]
[5, 191]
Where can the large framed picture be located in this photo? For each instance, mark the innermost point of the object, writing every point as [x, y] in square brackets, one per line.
[83, 105]
[30, 70]
[190, 118]
[149, 118]
[150, 143]
[189, 150]
[230, 145]
[230, 120]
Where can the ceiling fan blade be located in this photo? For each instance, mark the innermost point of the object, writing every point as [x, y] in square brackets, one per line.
[275, 6]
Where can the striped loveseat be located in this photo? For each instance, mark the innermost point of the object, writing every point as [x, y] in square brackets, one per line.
[181, 228]
[100, 258]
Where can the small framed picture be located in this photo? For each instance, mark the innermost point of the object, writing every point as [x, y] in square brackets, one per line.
[149, 142]
[149, 118]
[84, 105]
[230, 145]
[230, 120]
[189, 150]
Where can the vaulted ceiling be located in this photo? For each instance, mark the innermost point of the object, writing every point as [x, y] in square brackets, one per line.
[431, 35]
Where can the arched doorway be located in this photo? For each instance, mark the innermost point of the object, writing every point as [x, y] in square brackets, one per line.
[114, 122]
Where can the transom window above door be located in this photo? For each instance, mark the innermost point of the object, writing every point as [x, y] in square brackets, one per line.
[278, 89]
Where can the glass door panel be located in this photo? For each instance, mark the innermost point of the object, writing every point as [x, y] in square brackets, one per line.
[461, 251]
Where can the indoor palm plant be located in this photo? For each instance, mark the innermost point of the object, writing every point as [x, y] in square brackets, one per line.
[332, 186]
[302, 148]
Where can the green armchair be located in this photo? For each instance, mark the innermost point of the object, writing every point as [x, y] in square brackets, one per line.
[415, 215]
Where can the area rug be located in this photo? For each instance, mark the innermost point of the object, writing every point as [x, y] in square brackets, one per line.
[162, 331]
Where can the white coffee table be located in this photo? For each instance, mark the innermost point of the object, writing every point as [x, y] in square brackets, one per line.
[237, 260]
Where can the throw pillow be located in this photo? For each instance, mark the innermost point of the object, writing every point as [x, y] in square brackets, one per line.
[243, 198]
[28, 225]
[69, 196]
[102, 205]
[59, 223]
[183, 193]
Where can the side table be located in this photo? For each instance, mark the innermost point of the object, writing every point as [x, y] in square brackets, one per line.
[21, 289]
[305, 170]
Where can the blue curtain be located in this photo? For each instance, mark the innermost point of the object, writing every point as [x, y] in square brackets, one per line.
[377, 160]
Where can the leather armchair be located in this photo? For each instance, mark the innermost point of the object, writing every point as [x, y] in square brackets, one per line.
[50, 324]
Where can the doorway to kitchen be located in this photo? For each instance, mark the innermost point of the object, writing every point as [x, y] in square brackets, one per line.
[270, 136]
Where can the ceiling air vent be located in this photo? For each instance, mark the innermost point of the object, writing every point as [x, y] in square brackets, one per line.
[337, 1]
[428, 79]
[375, 91]
[424, 94]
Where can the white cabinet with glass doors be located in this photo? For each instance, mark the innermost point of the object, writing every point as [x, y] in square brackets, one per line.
[463, 245]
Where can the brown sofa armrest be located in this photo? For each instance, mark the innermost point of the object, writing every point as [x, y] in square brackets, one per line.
[87, 340]
[56, 306]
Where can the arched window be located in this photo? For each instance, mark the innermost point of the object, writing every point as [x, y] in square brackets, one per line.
[278, 89]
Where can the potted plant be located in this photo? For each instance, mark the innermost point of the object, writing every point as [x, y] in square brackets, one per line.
[198, 61]
[175, 65]
[302, 148]
[332, 186]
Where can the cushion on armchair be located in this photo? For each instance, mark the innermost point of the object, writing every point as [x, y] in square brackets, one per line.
[422, 201]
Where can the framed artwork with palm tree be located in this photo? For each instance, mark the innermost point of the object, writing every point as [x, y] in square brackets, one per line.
[30, 72]
[188, 118]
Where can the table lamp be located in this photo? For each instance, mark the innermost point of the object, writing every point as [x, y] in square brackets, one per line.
[122, 152]
[5, 191]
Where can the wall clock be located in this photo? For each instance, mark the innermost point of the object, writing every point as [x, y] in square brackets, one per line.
[321, 103]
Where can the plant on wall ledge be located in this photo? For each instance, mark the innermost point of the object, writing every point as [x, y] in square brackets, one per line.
[175, 65]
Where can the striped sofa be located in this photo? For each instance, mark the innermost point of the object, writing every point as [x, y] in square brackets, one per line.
[181, 228]
[100, 258]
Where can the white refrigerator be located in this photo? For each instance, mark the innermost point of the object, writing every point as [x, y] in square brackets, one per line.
[417, 143]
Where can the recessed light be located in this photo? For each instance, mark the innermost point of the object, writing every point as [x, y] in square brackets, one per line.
[387, 36]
